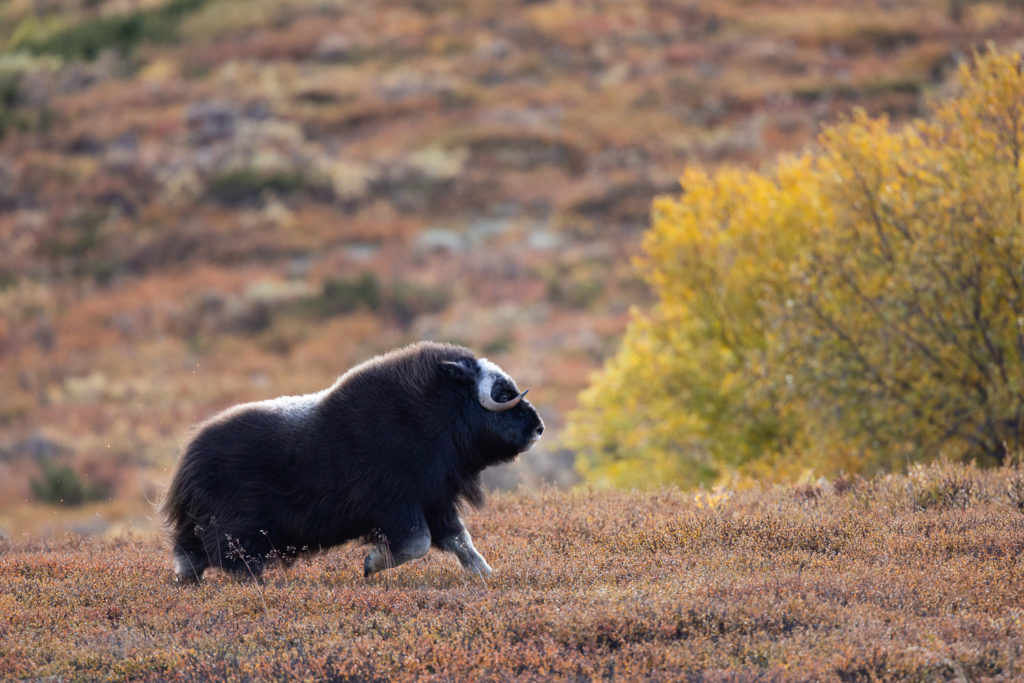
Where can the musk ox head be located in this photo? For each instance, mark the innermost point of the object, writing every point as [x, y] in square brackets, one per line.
[503, 422]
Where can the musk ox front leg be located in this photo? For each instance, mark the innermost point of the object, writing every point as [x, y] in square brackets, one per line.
[397, 543]
[450, 535]
[461, 545]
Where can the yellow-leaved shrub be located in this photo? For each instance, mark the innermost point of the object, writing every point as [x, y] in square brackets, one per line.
[855, 308]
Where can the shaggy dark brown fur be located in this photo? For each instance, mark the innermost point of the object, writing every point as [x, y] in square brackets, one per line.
[386, 454]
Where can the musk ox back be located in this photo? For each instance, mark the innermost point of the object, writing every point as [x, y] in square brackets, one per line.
[387, 455]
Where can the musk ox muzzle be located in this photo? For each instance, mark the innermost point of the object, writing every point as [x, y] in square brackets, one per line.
[388, 455]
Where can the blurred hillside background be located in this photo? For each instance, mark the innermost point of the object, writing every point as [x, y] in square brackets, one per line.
[204, 202]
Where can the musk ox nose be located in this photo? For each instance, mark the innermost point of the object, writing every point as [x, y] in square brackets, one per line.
[540, 429]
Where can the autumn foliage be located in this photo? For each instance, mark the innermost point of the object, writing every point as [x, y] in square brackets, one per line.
[207, 202]
[852, 309]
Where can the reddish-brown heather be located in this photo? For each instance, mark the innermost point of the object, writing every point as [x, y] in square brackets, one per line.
[914, 577]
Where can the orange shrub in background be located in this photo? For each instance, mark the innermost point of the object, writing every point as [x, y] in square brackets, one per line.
[852, 309]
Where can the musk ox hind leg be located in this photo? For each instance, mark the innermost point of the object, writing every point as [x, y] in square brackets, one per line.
[190, 555]
[197, 547]
[245, 557]
[397, 543]
[188, 567]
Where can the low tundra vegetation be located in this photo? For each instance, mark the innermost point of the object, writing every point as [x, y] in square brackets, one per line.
[899, 577]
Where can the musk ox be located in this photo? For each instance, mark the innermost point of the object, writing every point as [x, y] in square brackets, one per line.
[387, 455]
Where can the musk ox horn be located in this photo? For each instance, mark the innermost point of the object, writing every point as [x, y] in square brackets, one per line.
[487, 402]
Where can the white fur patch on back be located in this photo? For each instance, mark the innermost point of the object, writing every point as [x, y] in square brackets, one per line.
[295, 407]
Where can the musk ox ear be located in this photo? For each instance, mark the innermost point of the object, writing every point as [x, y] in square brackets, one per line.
[461, 369]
